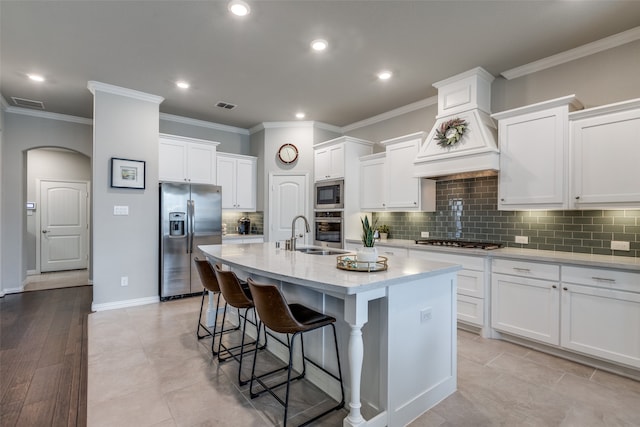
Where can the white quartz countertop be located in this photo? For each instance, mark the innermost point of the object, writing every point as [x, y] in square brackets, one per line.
[232, 236]
[320, 271]
[573, 258]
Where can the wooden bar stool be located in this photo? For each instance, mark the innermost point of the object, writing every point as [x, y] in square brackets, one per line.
[291, 319]
[210, 283]
[239, 297]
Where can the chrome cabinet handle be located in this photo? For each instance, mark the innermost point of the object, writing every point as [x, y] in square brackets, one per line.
[554, 286]
[603, 279]
[577, 197]
[45, 231]
[525, 270]
[565, 288]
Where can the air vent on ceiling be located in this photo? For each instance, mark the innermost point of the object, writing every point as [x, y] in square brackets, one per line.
[226, 105]
[28, 103]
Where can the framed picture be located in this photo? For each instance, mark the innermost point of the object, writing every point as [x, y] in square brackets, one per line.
[127, 173]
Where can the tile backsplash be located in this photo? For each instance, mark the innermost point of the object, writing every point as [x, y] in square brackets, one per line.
[466, 209]
[231, 219]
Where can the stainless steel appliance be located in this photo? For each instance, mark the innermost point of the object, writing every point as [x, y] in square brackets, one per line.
[190, 215]
[329, 195]
[328, 229]
[244, 225]
[459, 244]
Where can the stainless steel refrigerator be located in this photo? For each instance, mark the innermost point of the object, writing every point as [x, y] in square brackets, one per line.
[190, 215]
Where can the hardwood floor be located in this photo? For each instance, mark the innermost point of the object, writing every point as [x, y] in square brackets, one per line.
[43, 357]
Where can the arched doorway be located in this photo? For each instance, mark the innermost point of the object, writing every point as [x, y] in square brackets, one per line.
[57, 218]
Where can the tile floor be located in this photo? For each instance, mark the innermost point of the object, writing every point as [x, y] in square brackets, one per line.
[56, 280]
[146, 368]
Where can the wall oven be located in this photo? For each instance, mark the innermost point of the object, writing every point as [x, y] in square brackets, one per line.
[328, 229]
[329, 195]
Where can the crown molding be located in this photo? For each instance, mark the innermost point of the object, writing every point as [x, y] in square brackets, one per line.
[94, 86]
[427, 102]
[573, 54]
[294, 124]
[203, 123]
[49, 115]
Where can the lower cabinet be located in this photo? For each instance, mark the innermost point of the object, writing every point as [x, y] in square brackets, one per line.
[526, 302]
[242, 240]
[600, 317]
[592, 311]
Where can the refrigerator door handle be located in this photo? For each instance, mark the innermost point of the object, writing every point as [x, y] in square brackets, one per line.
[191, 209]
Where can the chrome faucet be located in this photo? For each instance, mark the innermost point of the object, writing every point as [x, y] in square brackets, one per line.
[292, 244]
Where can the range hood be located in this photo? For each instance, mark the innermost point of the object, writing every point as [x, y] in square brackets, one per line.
[466, 96]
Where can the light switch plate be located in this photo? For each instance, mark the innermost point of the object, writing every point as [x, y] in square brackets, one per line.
[522, 239]
[121, 210]
[618, 245]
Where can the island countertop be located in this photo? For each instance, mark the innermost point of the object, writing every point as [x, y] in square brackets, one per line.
[320, 271]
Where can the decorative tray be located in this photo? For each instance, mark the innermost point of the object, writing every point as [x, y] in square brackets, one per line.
[351, 263]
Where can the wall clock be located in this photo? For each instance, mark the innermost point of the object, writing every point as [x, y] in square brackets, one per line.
[288, 153]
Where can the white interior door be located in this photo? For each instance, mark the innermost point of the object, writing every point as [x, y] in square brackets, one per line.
[288, 199]
[63, 225]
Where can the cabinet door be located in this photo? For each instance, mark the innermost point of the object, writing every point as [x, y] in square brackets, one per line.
[226, 179]
[372, 184]
[605, 159]
[403, 189]
[329, 162]
[602, 323]
[337, 161]
[532, 160]
[201, 165]
[526, 307]
[245, 184]
[172, 162]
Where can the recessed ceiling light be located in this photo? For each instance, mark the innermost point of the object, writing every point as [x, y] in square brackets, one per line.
[385, 75]
[300, 115]
[239, 8]
[319, 45]
[182, 84]
[36, 77]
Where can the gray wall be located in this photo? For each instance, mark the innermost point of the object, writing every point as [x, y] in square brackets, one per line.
[124, 127]
[233, 140]
[52, 164]
[22, 133]
[1, 180]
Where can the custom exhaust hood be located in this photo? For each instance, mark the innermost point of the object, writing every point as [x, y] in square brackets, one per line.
[466, 96]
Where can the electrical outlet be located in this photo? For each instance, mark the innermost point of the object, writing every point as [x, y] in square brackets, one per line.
[618, 245]
[121, 210]
[425, 314]
[522, 239]
[124, 281]
[424, 234]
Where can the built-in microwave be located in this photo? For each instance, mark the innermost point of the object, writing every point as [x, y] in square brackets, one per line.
[329, 195]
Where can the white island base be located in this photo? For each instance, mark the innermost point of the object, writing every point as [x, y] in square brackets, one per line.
[396, 328]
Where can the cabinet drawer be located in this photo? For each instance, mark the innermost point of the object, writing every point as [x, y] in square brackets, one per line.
[468, 262]
[471, 283]
[526, 269]
[392, 251]
[602, 278]
[471, 310]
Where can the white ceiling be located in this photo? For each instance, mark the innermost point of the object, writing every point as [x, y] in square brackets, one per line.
[263, 63]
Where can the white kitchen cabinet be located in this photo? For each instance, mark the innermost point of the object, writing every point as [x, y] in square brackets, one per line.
[236, 240]
[372, 177]
[471, 284]
[605, 155]
[183, 159]
[237, 176]
[525, 299]
[601, 313]
[388, 182]
[329, 162]
[534, 155]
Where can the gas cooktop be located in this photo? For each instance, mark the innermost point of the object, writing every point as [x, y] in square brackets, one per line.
[459, 244]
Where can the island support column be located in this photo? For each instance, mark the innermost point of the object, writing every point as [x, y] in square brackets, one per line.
[356, 313]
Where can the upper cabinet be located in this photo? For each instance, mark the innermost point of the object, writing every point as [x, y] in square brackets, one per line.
[388, 181]
[183, 159]
[329, 162]
[605, 157]
[534, 155]
[237, 176]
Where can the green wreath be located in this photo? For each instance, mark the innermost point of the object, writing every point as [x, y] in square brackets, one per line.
[451, 132]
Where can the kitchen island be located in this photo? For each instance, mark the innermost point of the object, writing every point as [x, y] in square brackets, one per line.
[398, 327]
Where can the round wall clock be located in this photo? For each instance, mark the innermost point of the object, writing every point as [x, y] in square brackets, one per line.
[288, 153]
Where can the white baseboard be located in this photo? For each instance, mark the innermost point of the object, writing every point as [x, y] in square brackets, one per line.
[124, 304]
[4, 292]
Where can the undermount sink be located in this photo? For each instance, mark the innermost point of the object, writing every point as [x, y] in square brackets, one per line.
[318, 251]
